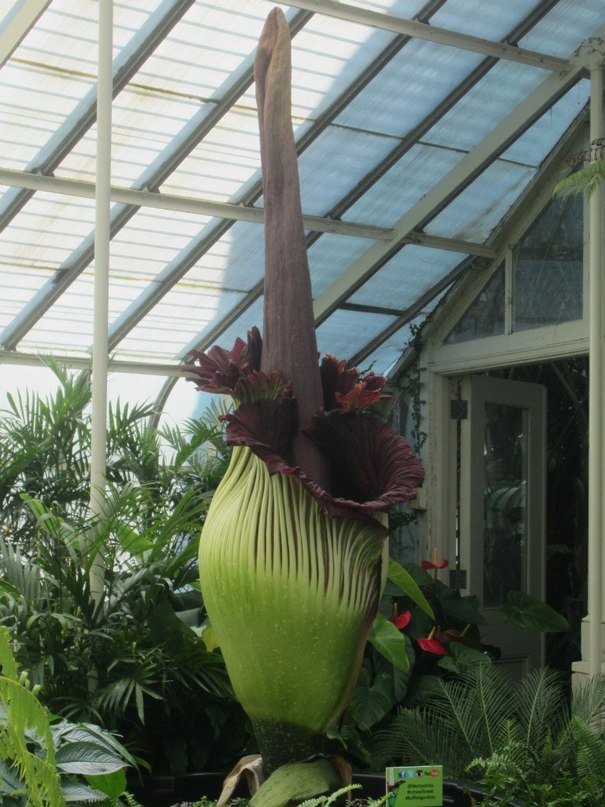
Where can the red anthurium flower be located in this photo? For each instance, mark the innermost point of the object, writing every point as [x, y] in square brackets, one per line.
[428, 564]
[434, 645]
[434, 564]
[401, 621]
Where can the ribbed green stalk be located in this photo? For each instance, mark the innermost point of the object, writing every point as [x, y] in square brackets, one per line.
[290, 593]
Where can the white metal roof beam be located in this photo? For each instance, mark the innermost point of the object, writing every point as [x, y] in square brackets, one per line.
[82, 363]
[182, 204]
[126, 64]
[225, 210]
[445, 190]
[432, 33]
[449, 244]
[16, 23]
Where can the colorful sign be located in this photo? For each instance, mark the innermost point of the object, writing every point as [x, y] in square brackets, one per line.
[415, 786]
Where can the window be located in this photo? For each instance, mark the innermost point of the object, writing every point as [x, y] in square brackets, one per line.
[542, 277]
[547, 267]
[485, 317]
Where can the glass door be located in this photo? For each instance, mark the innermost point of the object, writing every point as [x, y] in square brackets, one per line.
[501, 505]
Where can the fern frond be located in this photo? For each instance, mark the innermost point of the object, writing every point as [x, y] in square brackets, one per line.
[588, 178]
[493, 694]
[24, 714]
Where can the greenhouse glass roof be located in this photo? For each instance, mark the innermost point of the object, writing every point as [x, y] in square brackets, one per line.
[419, 126]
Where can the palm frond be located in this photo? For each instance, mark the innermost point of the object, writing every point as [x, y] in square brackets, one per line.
[476, 715]
[415, 736]
[24, 578]
[588, 703]
[541, 706]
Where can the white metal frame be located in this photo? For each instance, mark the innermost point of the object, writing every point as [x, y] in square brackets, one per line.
[585, 336]
[444, 362]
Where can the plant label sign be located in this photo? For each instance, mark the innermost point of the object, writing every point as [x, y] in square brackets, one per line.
[415, 786]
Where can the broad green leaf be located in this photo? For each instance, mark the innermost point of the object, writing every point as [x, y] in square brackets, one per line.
[389, 642]
[373, 699]
[65, 732]
[131, 541]
[404, 581]
[112, 784]
[9, 780]
[526, 611]
[87, 759]
[461, 658]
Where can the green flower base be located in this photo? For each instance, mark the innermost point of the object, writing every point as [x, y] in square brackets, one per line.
[282, 743]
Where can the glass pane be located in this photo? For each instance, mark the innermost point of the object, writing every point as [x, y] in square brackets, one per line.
[485, 317]
[505, 502]
[547, 267]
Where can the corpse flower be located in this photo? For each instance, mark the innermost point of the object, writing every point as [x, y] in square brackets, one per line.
[293, 549]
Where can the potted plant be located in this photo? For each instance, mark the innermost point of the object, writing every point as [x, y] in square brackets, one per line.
[293, 553]
[503, 742]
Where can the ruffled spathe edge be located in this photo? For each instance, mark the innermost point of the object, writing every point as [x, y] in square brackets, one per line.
[371, 468]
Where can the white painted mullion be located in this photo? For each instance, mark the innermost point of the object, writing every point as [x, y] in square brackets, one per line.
[15, 25]
[101, 279]
[596, 399]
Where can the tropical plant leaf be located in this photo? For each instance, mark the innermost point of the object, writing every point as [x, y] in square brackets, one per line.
[88, 759]
[526, 611]
[80, 793]
[111, 784]
[588, 178]
[23, 714]
[406, 583]
[390, 642]
[66, 732]
[461, 658]
[374, 697]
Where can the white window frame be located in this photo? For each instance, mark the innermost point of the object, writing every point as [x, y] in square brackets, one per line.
[443, 363]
